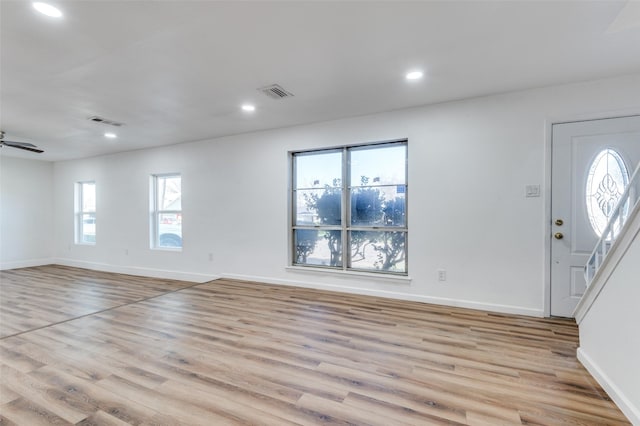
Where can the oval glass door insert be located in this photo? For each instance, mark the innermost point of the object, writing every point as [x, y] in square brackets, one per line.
[608, 177]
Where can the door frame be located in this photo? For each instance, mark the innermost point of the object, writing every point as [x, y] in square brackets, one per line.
[548, 147]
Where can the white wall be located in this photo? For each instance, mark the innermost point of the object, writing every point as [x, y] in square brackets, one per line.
[26, 212]
[469, 162]
[609, 336]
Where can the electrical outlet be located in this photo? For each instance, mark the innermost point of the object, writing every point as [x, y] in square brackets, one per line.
[126, 252]
[442, 274]
[210, 257]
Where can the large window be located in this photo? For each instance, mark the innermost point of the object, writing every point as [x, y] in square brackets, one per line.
[349, 208]
[85, 217]
[166, 211]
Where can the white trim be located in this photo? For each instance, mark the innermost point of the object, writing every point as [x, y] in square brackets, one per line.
[506, 309]
[401, 279]
[546, 267]
[628, 234]
[15, 264]
[135, 270]
[594, 116]
[170, 249]
[626, 406]
[85, 244]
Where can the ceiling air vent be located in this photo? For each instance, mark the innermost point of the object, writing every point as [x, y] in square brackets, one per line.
[275, 91]
[97, 119]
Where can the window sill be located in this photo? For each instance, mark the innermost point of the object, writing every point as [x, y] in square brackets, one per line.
[175, 250]
[400, 279]
[86, 244]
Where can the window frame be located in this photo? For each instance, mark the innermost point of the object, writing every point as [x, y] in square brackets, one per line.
[80, 213]
[155, 212]
[346, 226]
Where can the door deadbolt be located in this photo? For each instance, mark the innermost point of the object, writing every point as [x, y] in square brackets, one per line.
[558, 235]
[559, 222]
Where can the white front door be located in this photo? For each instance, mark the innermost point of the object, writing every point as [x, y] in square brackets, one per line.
[589, 160]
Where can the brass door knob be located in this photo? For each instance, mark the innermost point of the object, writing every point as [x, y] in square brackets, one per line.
[559, 222]
[558, 235]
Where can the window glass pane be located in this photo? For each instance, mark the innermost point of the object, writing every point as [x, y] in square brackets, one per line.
[378, 165]
[88, 228]
[319, 206]
[378, 206]
[170, 230]
[169, 194]
[394, 208]
[378, 251]
[318, 170]
[317, 247]
[306, 211]
[607, 179]
[366, 207]
[88, 196]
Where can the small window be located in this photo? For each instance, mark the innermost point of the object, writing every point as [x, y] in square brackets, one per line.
[608, 178]
[349, 208]
[166, 211]
[85, 217]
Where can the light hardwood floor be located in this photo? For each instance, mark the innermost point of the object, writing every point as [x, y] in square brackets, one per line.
[129, 350]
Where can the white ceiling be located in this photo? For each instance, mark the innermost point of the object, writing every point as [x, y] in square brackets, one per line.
[178, 71]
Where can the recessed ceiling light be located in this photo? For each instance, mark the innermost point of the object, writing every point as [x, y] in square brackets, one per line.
[110, 135]
[414, 75]
[248, 107]
[47, 9]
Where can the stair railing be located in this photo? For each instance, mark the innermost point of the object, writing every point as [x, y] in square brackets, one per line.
[626, 204]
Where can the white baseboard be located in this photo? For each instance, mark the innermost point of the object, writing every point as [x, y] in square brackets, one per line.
[505, 309]
[135, 270]
[202, 278]
[626, 406]
[26, 263]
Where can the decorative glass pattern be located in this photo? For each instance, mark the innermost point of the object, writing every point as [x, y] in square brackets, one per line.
[608, 177]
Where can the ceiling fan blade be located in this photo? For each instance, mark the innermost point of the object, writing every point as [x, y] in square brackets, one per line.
[16, 144]
[22, 145]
